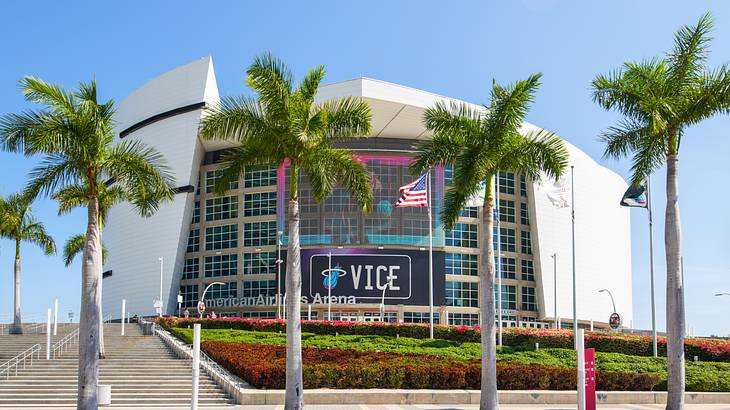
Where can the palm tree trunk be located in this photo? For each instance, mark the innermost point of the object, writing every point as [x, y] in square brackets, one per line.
[17, 328]
[89, 315]
[675, 290]
[294, 380]
[488, 398]
[98, 301]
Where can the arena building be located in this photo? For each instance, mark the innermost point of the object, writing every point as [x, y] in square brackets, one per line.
[237, 238]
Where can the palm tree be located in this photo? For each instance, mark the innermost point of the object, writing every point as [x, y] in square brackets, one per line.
[660, 98]
[74, 196]
[73, 131]
[74, 246]
[478, 144]
[285, 124]
[21, 226]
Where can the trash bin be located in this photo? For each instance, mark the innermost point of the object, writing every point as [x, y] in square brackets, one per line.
[146, 328]
[104, 394]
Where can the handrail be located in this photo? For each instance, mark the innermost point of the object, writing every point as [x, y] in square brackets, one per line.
[208, 364]
[62, 345]
[23, 356]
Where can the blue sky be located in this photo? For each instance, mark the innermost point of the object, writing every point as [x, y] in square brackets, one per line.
[450, 48]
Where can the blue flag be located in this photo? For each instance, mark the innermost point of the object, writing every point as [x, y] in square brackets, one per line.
[635, 196]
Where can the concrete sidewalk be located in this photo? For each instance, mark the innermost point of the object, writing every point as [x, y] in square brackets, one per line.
[419, 407]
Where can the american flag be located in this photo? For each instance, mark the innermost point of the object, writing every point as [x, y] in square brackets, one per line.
[414, 194]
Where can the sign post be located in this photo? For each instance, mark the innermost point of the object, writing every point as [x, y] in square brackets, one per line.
[196, 366]
[590, 375]
[614, 321]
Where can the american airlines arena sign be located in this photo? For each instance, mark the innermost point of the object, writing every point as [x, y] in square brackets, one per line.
[357, 276]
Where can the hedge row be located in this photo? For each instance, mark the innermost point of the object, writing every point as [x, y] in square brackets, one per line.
[716, 350]
[263, 366]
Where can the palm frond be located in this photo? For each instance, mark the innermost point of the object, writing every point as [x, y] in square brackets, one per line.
[686, 60]
[329, 167]
[54, 172]
[74, 246]
[470, 168]
[272, 81]
[454, 119]
[236, 118]
[442, 148]
[34, 232]
[307, 88]
[537, 153]
[345, 118]
[709, 95]
[509, 105]
[52, 95]
[251, 152]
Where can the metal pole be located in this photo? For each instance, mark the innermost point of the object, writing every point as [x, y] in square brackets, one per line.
[575, 295]
[555, 288]
[309, 311]
[196, 366]
[279, 235]
[55, 318]
[48, 335]
[499, 263]
[329, 286]
[430, 256]
[651, 266]
[161, 265]
[581, 370]
[124, 308]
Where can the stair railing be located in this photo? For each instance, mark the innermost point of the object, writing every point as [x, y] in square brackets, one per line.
[230, 383]
[63, 345]
[22, 359]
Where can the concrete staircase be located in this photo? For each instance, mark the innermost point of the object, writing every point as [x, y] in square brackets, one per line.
[142, 371]
[11, 345]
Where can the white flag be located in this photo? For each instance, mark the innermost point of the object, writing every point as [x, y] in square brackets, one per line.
[557, 191]
[477, 199]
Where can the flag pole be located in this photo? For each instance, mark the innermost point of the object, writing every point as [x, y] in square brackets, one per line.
[651, 266]
[572, 223]
[499, 263]
[430, 255]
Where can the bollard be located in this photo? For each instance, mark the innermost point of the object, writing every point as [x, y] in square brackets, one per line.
[696, 358]
[55, 318]
[124, 307]
[196, 366]
[537, 346]
[309, 312]
[48, 335]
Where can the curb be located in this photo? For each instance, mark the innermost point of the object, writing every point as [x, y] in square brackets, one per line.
[388, 396]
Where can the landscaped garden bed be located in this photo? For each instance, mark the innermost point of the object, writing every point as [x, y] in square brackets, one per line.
[704, 349]
[344, 361]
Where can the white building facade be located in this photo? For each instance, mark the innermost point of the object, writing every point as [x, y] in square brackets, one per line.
[236, 238]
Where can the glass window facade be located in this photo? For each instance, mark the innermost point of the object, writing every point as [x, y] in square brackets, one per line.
[221, 208]
[196, 212]
[464, 319]
[463, 235]
[259, 233]
[221, 237]
[462, 294]
[506, 210]
[508, 239]
[259, 315]
[529, 298]
[258, 176]
[259, 263]
[419, 317]
[193, 240]
[506, 181]
[228, 290]
[221, 265]
[509, 296]
[524, 214]
[462, 264]
[523, 186]
[259, 204]
[212, 177]
[469, 212]
[190, 296]
[508, 268]
[256, 288]
[526, 247]
[528, 270]
[191, 268]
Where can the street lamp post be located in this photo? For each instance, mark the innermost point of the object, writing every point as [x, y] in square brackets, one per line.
[611, 295]
[555, 288]
[279, 261]
[202, 297]
[722, 294]
[329, 286]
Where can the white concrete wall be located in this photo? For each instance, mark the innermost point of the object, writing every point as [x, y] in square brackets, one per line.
[602, 245]
[136, 243]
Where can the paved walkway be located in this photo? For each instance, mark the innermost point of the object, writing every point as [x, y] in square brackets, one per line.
[431, 407]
